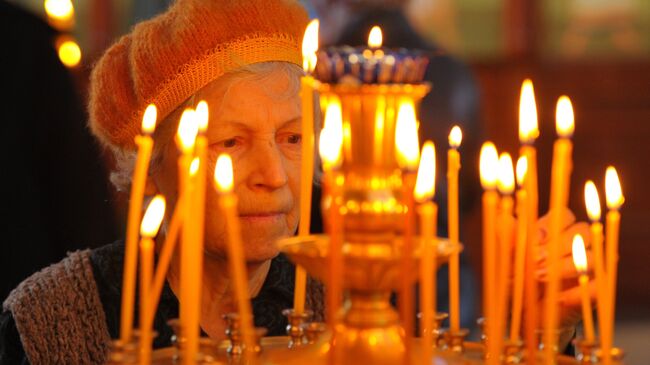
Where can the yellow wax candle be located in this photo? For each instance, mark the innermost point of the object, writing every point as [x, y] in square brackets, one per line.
[489, 162]
[528, 132]
[560, 180]
[506, 186]
[309, 48]
[331, 141]
[407, 150]
[186, 138]
[223, 176]
[580, 262]
[614, 198]
[592, 202]
[453, 166]
[424, 192]
[520, 251]
[145, 145]
[148, 230]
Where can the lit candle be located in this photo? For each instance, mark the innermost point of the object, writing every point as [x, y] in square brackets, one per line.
[520, 250]
[592, 202]
[506, 186]
[528, 132]
[145, 145]
[186, 137]
[407, 150]
[560, 180]
[489, 162]
[331, 141]
[453, 166]
[614, 198]
[148, 230]
[424, 192]
[580, 262]
[223, 176]
[309, 48]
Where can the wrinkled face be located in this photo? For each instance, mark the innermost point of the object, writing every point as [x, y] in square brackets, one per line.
[257, 121]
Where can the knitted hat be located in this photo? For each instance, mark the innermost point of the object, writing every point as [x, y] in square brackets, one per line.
[168, 58]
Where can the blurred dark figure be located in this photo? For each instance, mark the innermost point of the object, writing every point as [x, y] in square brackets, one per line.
[56, 197]
[453, 100]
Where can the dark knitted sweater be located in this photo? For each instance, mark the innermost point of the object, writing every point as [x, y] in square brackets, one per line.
[106, 262]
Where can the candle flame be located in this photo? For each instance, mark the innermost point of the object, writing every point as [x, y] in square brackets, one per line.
[149, 119]
[69, 53]
[310, 46]
[406, 136]
[528, 128]
[375, 38]
[592, 201]
[187, 130]
[223, 175]
[202, 115]
[489, 165]
[59, 9]
[455, 137]
[194, 166]
[579, 254]
[331, 137]
[613, 192]
[153, 217]
[425, 184]
[506, 180]
[522, 170]
[564, 120]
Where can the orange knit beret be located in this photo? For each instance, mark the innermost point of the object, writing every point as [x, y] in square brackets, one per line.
[167, 59]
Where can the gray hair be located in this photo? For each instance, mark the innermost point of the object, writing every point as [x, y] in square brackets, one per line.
[125, 159]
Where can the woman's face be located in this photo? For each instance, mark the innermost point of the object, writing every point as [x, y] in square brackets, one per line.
[257, 122]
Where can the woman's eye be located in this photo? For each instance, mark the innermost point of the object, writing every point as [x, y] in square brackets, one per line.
[294, 138]
[229, 143]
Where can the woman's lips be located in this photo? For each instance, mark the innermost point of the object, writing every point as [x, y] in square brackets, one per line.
[262, 217]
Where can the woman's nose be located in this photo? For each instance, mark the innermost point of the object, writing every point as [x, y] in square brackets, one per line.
[269, 170]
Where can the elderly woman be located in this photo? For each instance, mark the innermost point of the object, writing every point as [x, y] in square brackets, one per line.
[243, 57]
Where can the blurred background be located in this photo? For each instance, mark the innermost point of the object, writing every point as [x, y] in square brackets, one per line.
[595, 51]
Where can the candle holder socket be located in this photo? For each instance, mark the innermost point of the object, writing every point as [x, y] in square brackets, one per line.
[437, 330]
[514, 352]
[233, 332]
[585, 351]
[295, 328]
[455, 341]
[313, 330]
[481, 326]
[121, 353]
[617, 355]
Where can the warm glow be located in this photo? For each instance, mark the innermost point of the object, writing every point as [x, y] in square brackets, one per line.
[455, 137]
[375, 38]
[579, 254]
[528, 129]
[194, 166]
[506, 180]
[202, 115]
[153, 217]
[69, 53]
[489, 165]
[223, 175]
[613, 192]
[564, 121]
[406, 136]
[187, 130]
[425, 184]
[59, 9]
[522, 170]
[331, 137]
[592, 201]
[149, 119]
[310, 46]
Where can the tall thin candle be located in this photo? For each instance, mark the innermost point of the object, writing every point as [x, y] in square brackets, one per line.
[520, 251]
[560, 180]
[424, 192]
[309, 48]
[592, 202]
[145, 146]
[453, 166]
[580, 262]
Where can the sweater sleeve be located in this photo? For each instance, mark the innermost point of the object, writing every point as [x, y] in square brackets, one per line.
[11, 349]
